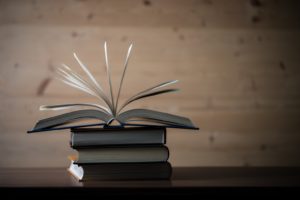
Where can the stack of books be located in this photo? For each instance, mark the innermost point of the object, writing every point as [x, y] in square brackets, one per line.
[135, 150]
[120, 154]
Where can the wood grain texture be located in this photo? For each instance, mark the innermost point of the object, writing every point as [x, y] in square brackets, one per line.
[237, 62]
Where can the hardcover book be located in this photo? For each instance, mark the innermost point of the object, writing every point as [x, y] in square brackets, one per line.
[123, 154]
[93, 137]
[121, 171]
[110, 108]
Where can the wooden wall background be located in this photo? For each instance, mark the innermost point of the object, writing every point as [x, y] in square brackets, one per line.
[237, 62]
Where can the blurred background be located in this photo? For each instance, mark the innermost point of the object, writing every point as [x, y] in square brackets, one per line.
[237, 62]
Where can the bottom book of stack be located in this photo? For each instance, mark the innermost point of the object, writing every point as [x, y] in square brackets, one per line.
[121, 171]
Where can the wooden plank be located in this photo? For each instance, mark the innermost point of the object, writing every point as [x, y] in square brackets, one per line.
[204, 14]
[256, 70]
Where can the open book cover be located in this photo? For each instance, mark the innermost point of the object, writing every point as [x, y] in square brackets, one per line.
[110, 109]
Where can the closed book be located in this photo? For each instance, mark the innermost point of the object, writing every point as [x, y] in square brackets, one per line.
[117, 136]
[121, 171]
[123, 154]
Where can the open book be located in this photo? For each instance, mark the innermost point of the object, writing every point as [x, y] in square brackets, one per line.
[111, 110]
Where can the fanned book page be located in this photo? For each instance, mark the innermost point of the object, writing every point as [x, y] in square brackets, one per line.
[108, 109]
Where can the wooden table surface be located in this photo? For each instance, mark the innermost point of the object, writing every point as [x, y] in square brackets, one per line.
[182, 177]
[238, 182]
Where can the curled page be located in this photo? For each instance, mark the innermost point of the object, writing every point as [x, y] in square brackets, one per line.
[122, 78]
[109, 79]
[76, 79]
[150, 92]
[69, 106]
[98, 87]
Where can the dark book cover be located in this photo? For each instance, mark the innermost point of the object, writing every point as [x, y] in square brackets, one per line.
[121, 171]
[122, 154]
[93, 137]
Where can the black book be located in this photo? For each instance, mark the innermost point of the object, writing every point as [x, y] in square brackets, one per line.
[90, 137]
[123, 154]
[121, 171]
